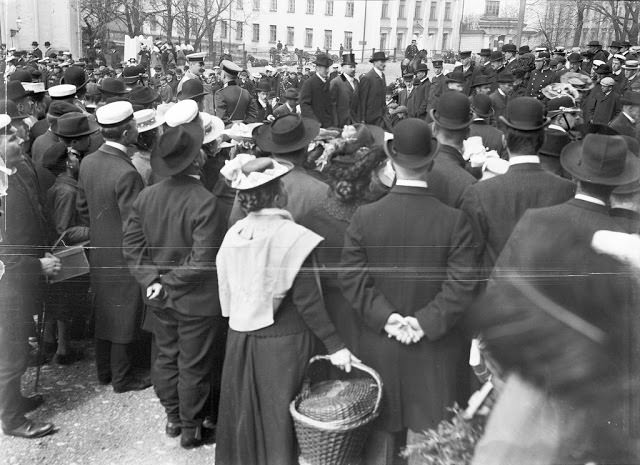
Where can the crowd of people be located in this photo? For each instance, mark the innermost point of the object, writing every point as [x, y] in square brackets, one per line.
[248, 222]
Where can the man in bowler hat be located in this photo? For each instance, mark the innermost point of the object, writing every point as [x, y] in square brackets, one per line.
[449, 177]
[290, 104]
[170, 242]
[344, 91]
[315, 100]
[411, 322]
[581, 304]
[371, 98]
[496, 205]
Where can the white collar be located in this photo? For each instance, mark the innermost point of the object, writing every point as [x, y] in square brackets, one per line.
[588, 198]
[116, 145]
[321, 78]
[618, 72]
[378, 72]
[194, 176]
[501, 92]
[411, 183]
[520, 159]
[348, 78]
[262, 104]
[633, 121]
[424, 79]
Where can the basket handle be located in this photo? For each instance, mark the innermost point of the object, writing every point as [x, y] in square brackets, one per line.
[360, 366]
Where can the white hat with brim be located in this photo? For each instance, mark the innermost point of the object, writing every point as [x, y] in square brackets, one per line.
[147, 119]
[213, 127]
[115, 113]
[246, 172]
[185, 111]
[5, 120]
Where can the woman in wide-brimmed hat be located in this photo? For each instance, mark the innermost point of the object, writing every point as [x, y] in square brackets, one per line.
[275, 310]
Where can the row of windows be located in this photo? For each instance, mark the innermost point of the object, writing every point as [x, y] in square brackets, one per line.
[417, 14]
[273, 35]
[291, 6]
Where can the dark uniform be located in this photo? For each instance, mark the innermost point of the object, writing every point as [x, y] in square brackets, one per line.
[538, 81]
[233, 103]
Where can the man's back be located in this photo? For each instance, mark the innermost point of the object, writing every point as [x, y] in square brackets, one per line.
[496, 205]
[448, 179]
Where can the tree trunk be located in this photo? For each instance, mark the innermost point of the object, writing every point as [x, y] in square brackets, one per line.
[168, 20]
[577, 35]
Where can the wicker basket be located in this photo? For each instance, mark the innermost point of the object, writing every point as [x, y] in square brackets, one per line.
[339, 441]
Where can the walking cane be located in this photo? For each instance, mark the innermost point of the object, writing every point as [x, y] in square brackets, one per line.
[41, 318]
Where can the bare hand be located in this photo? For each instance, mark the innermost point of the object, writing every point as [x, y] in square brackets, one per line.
[416, 331]
[343, 359]
[50, 264]
[154, 291]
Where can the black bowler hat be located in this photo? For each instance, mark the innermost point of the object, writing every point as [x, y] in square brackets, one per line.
[15, 90]
[349, 59]
[323, 60]
[543, 56]
[601, 159]
[505, 77]
[177, 148]
[496, 56]
[525, 114]
[485, 52]
[264, 86]
[55, 156]
[453, 111]
[291, 94]
[603, 69]
[615, 44]
[72, 125]
[34, 44]
[143, 96]
[481, 80]
[465, 54]
[21, 75]
[594, 43]
[421, 67]
[455, 76]
[509, 48]
[191, 88]
[524, 49]
[574, 58]
[554, 142]
[481, 105]
[378, 56]
[286, 133]
[76, 76]
[113, 86]
[413, 145]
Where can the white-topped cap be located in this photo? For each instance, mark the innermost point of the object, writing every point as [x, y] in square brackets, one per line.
[182, 112]
[5, 120]
[62, 91]
[114, 113]
[200, 56]
[213, 127]
[147, 119]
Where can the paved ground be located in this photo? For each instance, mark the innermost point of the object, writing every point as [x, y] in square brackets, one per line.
[96, 426]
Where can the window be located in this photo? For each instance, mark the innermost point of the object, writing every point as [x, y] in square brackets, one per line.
[402, 9]
[290, 35]
[445, 41]
[273, 33]
[223, 29]
[310, 7]
[239, 5]
[399, 41]
[385, 10]
[239, 30]
[292, 6]
[492, 8]
[383, 41]
[447, 11]
[256, 32]
[418, 13]
[308, 37]
[154, 24]
[348, 10]
[433, 11]
[274, 5]
[328, 36]
[328, 11]
[256, 5]
[348, 40]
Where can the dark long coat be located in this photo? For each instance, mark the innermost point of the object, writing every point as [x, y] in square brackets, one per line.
[600, 108]
[410, 101]
[343, 101]
[492, 138]
[383, 271]
[499, 104]
[423, 91]
[315, 101]
[624, 127]
[371, 98]
[172, 235]
[495, 205]
[107, 187]
[469, 75]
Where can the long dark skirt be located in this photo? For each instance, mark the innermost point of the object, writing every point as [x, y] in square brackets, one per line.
[261, 376]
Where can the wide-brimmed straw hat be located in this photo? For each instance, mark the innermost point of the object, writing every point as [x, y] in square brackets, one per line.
[212, 125]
